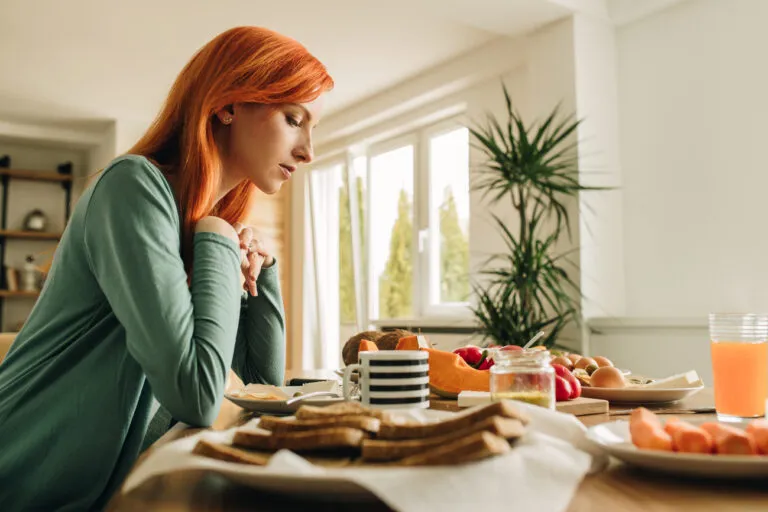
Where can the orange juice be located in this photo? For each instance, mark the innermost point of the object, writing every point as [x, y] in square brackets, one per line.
[740, 372]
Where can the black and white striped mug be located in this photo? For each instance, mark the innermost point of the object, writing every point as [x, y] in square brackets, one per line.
[390, 379]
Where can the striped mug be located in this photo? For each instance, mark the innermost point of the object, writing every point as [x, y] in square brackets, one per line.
[390, 379]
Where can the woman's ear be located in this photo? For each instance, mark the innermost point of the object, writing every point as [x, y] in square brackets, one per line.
[226, 115]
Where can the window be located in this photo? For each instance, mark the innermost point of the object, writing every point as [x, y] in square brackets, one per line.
[391, 233]
[397, 214]
[448, 268]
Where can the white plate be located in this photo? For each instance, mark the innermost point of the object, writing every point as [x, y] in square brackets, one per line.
[279, 406]
[329, 484]
[639, 395]
[615, 439]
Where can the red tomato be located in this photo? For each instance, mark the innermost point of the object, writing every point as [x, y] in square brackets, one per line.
[487, 363]
[471, 354]
[564, 373]
[562, 389]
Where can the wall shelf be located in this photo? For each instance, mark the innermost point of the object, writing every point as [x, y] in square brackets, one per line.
[29, 235]
[20, 174]
[10, 294]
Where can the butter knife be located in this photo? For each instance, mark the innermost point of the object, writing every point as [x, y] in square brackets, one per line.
[694, 410]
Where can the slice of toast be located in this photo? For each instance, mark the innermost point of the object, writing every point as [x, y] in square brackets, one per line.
[386, 449]
[279, 425]
[461, 421]
[310, 412]
[326, 439]
[230, 453]
[479, 445]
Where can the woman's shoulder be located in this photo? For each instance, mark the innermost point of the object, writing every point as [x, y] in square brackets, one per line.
[131, 186]
[135, 167]
[129, 173]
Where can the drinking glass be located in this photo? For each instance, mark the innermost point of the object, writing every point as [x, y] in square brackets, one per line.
[739, 345]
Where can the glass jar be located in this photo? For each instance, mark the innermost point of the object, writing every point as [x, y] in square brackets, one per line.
[523, 375]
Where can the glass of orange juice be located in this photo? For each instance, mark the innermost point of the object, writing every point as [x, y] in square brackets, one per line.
[739, 344]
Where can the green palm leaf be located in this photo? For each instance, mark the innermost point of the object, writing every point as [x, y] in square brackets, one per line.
[535, 166]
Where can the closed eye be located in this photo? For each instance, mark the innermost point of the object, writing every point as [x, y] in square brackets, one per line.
[293, 121]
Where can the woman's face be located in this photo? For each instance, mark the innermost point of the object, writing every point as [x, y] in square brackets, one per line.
[266, 143]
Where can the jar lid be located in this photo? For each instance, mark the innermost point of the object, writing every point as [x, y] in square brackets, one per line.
[522, 357]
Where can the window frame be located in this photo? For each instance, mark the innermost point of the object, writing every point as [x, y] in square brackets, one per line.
[379, 148]
[426, 228]
[432, 226]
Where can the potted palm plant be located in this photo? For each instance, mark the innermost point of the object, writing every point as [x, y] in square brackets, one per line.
[529, 288]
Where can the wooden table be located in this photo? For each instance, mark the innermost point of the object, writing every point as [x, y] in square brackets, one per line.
[618, 488]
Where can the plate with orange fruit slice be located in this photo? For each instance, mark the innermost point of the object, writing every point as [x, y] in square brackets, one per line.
[690, 448]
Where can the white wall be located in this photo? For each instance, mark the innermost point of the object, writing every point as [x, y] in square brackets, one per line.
[654, 347]
[600, 212]
[693, 113]
[692, 84]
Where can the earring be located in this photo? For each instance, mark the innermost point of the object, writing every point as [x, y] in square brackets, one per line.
[227, 120]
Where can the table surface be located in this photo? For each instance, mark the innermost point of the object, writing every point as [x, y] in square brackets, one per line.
[617, 488]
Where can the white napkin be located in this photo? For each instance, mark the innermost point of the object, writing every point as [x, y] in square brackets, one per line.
[541, 472]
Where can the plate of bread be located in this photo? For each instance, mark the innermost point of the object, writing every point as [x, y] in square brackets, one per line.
[350, 434]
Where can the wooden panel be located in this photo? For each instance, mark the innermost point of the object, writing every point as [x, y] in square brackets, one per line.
[6, 340]
[270, 219]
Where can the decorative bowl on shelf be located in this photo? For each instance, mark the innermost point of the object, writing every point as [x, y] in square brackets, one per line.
[35, 221]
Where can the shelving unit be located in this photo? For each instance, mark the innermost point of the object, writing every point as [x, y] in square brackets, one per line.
[62, 178]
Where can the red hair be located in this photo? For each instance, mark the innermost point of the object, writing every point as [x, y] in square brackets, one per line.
[241, 65]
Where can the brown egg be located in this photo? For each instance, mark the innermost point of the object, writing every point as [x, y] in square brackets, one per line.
[602, 361]
[584, 362]
[573, 357]
[563, 361]
[607, 377]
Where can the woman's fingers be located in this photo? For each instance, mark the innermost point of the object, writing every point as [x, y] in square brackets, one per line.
[255, 261]
[259, 248]
[246, 238]
[253, 257]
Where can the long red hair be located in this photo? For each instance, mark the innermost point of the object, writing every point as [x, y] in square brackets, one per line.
[243, 64]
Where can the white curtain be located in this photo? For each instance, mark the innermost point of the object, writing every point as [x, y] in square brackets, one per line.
[322, 347]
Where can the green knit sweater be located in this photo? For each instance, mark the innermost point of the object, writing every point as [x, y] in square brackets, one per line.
[116, 327]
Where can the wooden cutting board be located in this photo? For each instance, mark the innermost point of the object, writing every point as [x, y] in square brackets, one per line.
[581, 406]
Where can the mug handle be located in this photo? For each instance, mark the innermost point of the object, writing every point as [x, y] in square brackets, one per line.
[345, 383]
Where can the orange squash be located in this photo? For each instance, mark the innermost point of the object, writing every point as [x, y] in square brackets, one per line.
[408, 343]
[368, 346]
[413, 343]
[449, 374]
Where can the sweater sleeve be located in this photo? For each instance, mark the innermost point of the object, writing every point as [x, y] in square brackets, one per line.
[182, 337]
[260, 349]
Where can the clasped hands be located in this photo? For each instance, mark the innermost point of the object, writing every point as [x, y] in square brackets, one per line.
[253, 257]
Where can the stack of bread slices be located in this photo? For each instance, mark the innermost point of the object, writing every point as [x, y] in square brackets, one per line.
[360, 435]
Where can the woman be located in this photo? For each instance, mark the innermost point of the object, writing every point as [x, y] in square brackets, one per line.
[143, 300]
